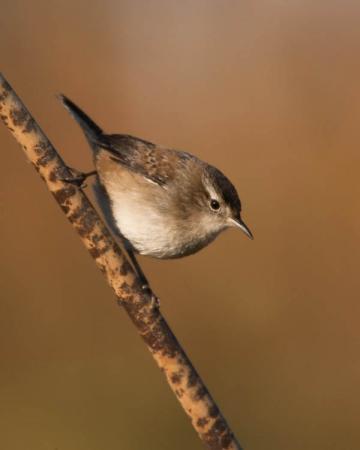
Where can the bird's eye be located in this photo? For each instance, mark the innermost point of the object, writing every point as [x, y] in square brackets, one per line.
[214, 205]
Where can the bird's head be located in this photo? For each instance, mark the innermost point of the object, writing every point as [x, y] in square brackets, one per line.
[220, 203]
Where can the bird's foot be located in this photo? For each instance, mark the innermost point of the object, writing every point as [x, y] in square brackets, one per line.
[77, 178]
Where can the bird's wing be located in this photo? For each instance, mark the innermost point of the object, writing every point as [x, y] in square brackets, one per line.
[155, 163]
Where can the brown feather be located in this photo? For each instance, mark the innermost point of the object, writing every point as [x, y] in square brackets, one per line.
[154, 162]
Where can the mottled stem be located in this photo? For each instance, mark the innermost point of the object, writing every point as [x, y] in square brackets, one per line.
[163, 345]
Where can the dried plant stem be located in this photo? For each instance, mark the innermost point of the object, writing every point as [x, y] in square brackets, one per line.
[147, 318]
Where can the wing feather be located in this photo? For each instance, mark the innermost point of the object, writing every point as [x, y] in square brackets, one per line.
[157, 164]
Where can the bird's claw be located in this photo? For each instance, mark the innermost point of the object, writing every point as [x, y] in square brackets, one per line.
[76, 178]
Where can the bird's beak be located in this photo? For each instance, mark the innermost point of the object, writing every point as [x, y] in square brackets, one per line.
[242, 225]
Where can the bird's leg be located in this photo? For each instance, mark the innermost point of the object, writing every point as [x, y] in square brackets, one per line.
[155, 301]
[143, 280]
[78, 177]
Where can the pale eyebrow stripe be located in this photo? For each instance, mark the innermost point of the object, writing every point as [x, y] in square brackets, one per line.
[210, 190]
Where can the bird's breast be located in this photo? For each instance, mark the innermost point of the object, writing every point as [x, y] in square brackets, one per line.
[144, 214]
[155, 233]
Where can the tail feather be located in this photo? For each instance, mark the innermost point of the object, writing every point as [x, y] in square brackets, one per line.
[90, 128]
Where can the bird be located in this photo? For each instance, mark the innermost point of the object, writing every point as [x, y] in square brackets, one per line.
[161, 202]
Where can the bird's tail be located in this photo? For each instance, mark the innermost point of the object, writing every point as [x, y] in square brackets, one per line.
[89, 127]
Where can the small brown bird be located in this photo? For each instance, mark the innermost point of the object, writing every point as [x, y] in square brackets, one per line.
[166, 203]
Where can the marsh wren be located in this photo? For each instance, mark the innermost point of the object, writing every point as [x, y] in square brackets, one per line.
[166, 203]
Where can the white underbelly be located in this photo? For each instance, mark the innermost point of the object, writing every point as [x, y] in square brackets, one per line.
[145, 222]
[154, 234]
[148, 231]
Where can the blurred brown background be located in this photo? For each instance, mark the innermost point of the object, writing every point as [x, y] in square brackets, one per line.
[268, 91]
